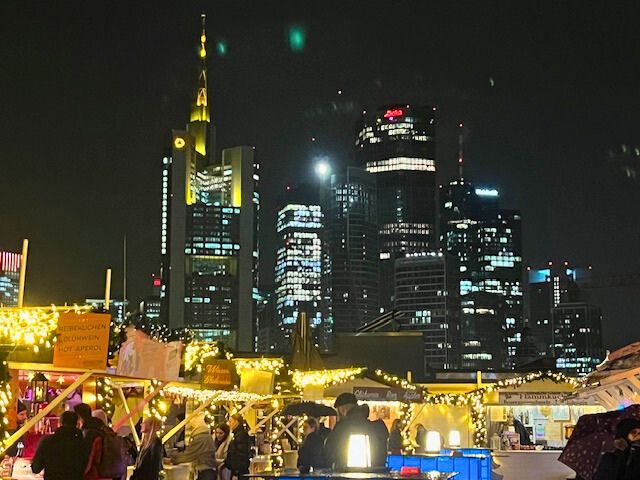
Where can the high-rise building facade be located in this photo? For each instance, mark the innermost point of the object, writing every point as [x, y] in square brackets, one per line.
[578, 337]
[427, 293]
[396, 144]
[563, 325]
[9, 278]
[209, 238]
[299, 272]
[487, 241]
[351, 235]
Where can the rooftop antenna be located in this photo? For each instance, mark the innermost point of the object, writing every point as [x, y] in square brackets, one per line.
[460, 152]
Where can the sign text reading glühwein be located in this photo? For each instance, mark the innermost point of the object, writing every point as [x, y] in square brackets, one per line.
[82, 340]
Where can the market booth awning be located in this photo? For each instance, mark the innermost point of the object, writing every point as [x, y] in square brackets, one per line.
[616, 382]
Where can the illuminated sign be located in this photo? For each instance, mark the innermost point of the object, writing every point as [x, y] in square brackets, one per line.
[486, 192]
[393, 113]
[179, 142]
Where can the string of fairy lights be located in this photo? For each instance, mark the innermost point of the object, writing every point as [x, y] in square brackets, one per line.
[5, 400]
[35, 328]
[323, 378]
[104, 396]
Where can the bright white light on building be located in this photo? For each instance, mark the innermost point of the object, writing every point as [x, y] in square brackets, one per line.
[322, 168]
[486, 192]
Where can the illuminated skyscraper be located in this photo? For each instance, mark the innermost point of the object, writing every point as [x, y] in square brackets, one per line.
[487, 241]
[209, 230]
[563, 325]
[9, 278]
[352, 245]
[428, 299]
[299, 268]
[396, 144]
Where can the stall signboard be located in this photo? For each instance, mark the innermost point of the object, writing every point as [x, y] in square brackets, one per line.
[382, 394]
[218, 374]
[82, 340]
[257, 381]
[532, 398]
[142, 357]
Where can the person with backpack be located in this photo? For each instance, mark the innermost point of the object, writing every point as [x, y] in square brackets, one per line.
[57, 454]
[104, 451]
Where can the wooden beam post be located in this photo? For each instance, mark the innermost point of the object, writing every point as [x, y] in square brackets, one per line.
[45, 411]
[141, 404]
[127, 410]
[186, 420]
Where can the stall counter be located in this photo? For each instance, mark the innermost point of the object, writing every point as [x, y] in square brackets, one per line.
[531, 465]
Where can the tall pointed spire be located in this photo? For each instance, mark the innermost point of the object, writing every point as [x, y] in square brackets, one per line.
[460, 153]
[200, 108]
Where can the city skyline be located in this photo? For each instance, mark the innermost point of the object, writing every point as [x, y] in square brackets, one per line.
[72, 241]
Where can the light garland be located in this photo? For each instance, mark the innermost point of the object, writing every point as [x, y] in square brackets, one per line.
[404, 415]
[476, 399]
[219, 395]
[5, 401]
[195, 353]
[274, 365]
[104, 396]
[323, 378]
[397, 381]
[158, 406]
[32, 327]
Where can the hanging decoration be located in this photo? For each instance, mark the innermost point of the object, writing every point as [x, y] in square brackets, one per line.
[104, 396]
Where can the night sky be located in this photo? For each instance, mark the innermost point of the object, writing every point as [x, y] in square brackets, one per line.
[89, 92]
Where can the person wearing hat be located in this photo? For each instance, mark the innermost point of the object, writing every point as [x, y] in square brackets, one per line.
[352, 419]
[624, 463]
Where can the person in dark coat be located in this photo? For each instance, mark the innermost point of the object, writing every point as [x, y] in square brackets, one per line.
[395, 438]
[149, 461]
[311, 452]
[421, 438]
[239, 451]
[624, 463]
[59, 454]
[353, 420]
[92, 431]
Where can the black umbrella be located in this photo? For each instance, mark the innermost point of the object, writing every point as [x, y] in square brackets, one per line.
[308, 408]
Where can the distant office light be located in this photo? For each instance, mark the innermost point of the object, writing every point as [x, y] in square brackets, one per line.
[486, 192]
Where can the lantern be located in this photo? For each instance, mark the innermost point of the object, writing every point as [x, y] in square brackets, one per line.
[433, 441]
[359, 451]
[40, 387]
[454, 438]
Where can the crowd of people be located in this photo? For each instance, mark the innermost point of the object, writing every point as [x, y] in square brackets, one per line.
[84, 447]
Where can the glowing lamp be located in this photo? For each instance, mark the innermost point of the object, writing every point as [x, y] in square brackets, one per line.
[359, 451]
[40, 387]
[179, 142]
[454, 438]
[322, 169]
[433, 441]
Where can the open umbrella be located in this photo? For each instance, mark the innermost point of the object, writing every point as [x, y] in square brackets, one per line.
[311, 409]
[594, 434]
